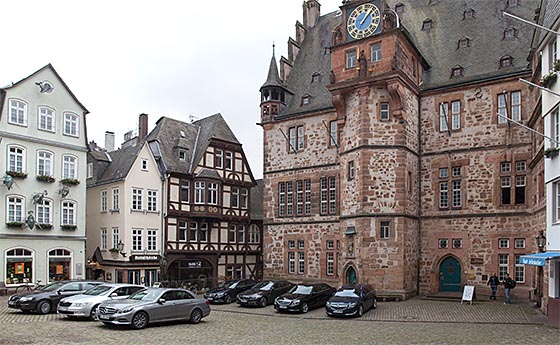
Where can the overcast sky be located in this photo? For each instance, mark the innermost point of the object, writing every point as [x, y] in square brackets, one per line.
[163, 58]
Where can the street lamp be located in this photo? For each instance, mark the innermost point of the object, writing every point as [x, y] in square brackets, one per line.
[541, 241]
[120, 247]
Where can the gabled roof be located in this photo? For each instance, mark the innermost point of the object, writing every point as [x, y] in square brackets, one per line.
[193, 137]
[119, 165]
[49, 66]
[273, 78]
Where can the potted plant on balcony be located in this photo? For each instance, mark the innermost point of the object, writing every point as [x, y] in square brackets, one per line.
[44, 226]
[14, 224]
[68, 227]
[16, 174]
[70, 181]
[45, 178]
[551, 152]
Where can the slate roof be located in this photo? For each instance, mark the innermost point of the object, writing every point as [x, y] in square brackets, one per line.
[172, 134]
[256, 207]
[550, 18]
[438, 46]
[117, 168]
[273, 78]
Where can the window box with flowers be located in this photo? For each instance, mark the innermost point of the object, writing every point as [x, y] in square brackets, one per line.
[44, 226]
[45, 178]
[14, 224]
[68, 227]
[550, 78]
[16, 174]
[70, 181]
[551, 152]
[114, 252]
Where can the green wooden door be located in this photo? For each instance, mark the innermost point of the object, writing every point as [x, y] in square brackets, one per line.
[450, 275]
[351, 275]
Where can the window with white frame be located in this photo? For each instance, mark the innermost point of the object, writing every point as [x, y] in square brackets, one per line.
[16, 159]
[103, 239]
[301, 262]
[71, 124]
[384, 229]
[324, 195]
[519, 243]
[300, 134]
[193, 231]
[384, 111]
[229, 160]
[43, 211]
[44, 163]
[152, 200]
[519, 269]
[556, 201]
[330, 263]
[351, 171]
[290, 198]
[18, 112]
[282, 198]
[244, 198]
[455, 115]
[46, 119]
[443, 243]
[332, 195]
[137, 195]
[307, 186]
[103, 201]
[115, 199]
[199, 187]
[503, 243]
[457, 198]
[254, 234]
[241, 234]
[144, 164]
[232, 233]
[219, 159]
[376, 52]
[291, 262]
[213, 193]
[68, 213]
[234, 197]
[503, 264]
[299, 197]
[555, 126]
[15, 209]
[552, 53]
[90, 170]
[151, 236]
[333, 133]
[183, 155]
[137, 240]
[69, 167]
[351, 59]
[203, 232]
[457, 243]
[185, 191]
[443, 194]
[182, 231]
[509, 106]
[116, 237]
[443, 113]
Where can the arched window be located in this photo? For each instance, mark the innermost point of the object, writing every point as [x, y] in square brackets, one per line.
[44, 163]
[71, 124]
[16, 159]
[506, 61]
[15, 209]
[19, 266]
[17, 112]
[43, 214]
[60, 264]
[68, 213]
[69, 167]
[46, 119]
[254, 234]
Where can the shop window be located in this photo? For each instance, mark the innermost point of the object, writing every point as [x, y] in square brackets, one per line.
[60, 264]
[19, 266]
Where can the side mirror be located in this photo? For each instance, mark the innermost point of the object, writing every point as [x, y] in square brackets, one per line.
[113, 295]
[161, 301]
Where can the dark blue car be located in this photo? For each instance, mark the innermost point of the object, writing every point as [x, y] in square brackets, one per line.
[352, 300]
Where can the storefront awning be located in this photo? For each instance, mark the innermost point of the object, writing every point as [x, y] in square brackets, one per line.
[351, 230]
[538, 259]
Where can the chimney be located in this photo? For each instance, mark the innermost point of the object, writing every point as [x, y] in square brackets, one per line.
[142, 126]
[311, 13]
[109, 141]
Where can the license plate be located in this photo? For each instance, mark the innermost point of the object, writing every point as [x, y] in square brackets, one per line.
[282, 307]
[337, 311]
[104, 317]
[210, 298]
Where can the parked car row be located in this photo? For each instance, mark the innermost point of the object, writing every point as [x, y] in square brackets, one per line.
[349, 300]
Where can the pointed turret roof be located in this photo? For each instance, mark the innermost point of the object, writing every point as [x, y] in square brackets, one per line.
[273, 78]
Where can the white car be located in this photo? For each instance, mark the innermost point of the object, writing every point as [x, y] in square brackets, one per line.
[85, 304]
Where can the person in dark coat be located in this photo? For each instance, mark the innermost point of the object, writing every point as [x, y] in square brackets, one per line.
[493, 282]
[508, 285]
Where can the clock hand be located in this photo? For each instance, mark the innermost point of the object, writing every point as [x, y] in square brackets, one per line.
[365, 17]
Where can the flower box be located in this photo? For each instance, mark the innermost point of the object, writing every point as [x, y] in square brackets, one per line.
[45, 178]
[44, 226]
[551, 152]
[70, 181]
[14, 224]
[16, 174]
[68, 227]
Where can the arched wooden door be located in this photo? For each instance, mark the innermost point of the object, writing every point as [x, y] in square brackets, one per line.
[450, 275]
[351, 275]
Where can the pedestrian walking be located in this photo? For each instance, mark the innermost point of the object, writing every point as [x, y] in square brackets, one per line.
[508, 285]
[493, 282]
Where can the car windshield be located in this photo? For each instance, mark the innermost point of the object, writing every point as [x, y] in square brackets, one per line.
[51, 287]
[302, 289]
[230, 284]
[264, 286]
[146, 295]
[346, 293]
[98, 290]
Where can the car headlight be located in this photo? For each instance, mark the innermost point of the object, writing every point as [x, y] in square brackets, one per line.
[79, 304]
[220, 294]
[352, 304]
[328, 304]
[295, 302]
[254, 296]
[125, 310]
[26, 299]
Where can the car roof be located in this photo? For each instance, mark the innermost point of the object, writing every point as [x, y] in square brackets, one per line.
[121, 285]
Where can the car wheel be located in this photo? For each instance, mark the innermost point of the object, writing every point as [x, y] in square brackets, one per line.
[304, 308]
[263, 302]
[228, 299]
[139, 320]
[360, 310]
[44, 307]
[93, 313]
[374, 303]
[196, 316]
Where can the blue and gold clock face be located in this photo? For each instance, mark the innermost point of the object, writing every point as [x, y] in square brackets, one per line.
[363, 21]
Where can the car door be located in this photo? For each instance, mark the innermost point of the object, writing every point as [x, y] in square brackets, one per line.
[165, 310]
[184, 304]
[69, 289]
[367, 298]
[321, 295]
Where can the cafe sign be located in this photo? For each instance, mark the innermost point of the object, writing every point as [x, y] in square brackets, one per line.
[144, 258]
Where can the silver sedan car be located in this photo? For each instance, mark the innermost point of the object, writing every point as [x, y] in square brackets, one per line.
[154, 305]
[85, 304]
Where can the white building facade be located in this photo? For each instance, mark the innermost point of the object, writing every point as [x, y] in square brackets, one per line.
[43, 148]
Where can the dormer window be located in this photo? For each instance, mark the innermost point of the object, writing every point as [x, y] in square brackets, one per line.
[457, 71]
[316, 77]
[182, 155]
[427, 24]
[305, 99]
[399, 8]
[510, 33]
[506, 61]
[464, 42]
[468, 13]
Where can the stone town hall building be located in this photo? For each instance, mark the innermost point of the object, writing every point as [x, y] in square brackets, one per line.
[384, 159]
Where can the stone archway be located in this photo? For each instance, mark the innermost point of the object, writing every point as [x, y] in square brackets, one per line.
[350, 276]
[450, 275]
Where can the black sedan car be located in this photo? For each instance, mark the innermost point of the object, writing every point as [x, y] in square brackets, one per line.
[352, 300]
[263, 293]
[228, 290]
[304, 297]
[45, 299]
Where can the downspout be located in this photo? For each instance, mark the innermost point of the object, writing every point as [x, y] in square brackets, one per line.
[419, 195]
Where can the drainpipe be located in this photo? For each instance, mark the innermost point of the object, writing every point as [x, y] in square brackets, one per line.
[419, 195]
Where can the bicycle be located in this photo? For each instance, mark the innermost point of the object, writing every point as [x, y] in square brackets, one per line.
[26, 286]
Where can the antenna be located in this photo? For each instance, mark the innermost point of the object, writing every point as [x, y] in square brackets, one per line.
[192, 118]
